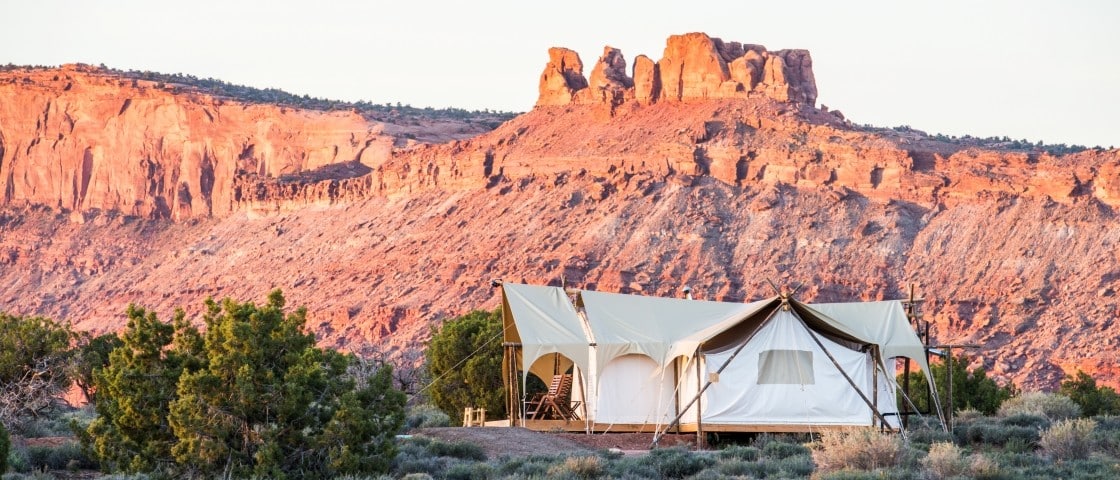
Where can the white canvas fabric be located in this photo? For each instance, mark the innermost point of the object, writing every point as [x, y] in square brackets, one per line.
[659, 328]
[635, 356]
[547, 323]
[882, 323]
[635, 389]
[826, 399]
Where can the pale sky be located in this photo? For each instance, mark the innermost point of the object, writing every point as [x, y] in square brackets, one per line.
[1040, 70]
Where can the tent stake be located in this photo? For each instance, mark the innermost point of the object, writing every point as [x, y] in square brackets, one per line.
[676, 421]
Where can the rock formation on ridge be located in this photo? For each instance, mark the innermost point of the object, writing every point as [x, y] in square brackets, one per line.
[694, 67]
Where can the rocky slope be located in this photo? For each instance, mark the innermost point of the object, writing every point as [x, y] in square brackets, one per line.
[621, 189]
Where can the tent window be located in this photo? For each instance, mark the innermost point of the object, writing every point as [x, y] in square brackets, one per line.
[785, 367]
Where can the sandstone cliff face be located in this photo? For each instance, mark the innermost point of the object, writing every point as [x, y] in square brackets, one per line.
[1014, 250]
[694, 67]
[80, 140]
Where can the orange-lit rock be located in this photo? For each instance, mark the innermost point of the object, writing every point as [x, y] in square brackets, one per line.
[1013, 250]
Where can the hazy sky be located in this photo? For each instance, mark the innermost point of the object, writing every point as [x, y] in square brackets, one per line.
[1041, 70]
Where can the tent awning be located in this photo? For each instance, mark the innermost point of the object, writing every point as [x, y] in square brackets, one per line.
[544, 322]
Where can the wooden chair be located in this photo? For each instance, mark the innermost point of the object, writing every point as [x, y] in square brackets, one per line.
[554, 404]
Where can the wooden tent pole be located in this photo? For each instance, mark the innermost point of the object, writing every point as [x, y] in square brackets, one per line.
[676, 421]
[840, 369]
[875, 383]
[699, 417]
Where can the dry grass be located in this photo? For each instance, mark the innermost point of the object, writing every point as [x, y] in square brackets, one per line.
[1069, 439]
[860, 449]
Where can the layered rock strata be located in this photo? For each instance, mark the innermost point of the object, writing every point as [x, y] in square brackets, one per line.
[694, 67]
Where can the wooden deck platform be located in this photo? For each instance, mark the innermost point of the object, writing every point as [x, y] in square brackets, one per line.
[580, 426]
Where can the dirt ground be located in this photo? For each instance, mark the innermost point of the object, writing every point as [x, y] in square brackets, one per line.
[516, 441]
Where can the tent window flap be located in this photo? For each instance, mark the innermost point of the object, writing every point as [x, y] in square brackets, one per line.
[785, 367]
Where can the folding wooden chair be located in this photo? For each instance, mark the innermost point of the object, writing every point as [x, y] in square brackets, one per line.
[556, 403]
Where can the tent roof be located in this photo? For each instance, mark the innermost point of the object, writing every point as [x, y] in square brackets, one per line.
[660, 328]
[546, 322]
[882, 323]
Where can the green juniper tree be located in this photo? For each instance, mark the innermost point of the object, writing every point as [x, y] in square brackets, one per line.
[131, 433]
[271, 404]
[252, 397]
[1093, 400]
[971, 388]
[465, 364]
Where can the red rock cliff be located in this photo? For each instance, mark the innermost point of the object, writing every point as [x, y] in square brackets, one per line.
[81, 140]
[693, 67]
[1015, 250]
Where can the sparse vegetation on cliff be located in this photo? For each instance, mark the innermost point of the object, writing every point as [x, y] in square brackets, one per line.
[244, 93]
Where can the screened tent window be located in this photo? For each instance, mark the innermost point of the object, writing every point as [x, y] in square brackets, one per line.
[785, 367]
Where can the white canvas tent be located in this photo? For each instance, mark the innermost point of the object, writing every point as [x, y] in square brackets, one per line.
[642, 363]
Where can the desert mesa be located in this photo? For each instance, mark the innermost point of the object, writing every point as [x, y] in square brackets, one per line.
[713, 167]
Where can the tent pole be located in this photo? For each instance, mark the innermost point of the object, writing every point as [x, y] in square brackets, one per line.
[906, 391]
[677, 421]
[583, 393]
[699, 423]
[875, 384]
[677, 381]
[952, 404]
[841, 370]
[506, 362]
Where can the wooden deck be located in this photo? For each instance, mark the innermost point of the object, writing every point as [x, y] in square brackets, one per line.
[580, 426]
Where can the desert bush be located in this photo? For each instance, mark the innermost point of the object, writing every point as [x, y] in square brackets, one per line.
[426, 416]
[469, 471]
[1107, 422]
[1039, 422]
[742, 468]
[1050, 405]
[778, 449]
[17, 459]
[796, 466]
[634, 467]
[982, 466]
[460, 450]
[5, 445]
[944, 461]
[533, 466]
[677, 462]
[860, 449]
[581, 467]
[1068, 439]
[989, 431]
[417, 476]
[968, 415]
[740, 452]
[1107, 441]
[67, 456]
[850, 474]
[410, 463]
[926, 436]
[708, 474]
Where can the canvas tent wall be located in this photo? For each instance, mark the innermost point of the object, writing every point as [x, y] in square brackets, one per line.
[640, 360]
